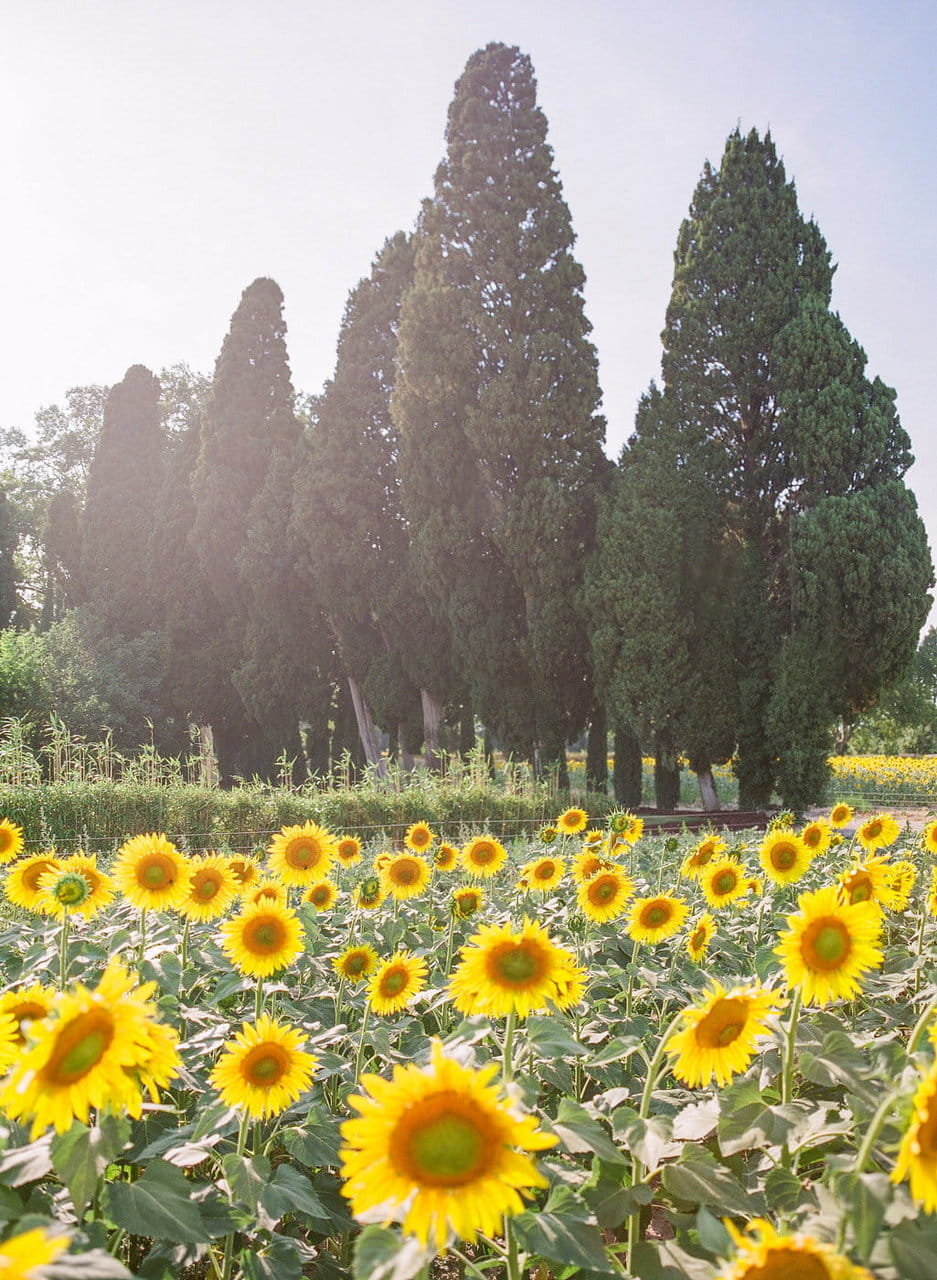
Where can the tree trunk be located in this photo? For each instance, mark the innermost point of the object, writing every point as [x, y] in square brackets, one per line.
[666, 775]
[627, 770]
[432, 716]
[466, 731]
[207, 763]
[707, 789]
[367, 730]
[597, 752]
[406, 759]
[345, 739]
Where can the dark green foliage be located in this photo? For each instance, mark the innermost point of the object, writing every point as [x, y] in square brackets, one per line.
[597, 751]
[25, 676]
[627, 770]
[496, 404]
[904, 720]
[9, 593]
[119, 513]
[828, 567]
[61, 538]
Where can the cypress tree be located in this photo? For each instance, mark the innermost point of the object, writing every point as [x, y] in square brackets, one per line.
[120, 511]
[496, 404]
[806, 456]
[9, 591]
[248, 421]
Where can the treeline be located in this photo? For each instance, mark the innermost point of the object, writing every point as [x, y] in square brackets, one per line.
[438, 540]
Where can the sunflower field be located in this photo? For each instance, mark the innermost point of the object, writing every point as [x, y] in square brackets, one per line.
[595, 1053]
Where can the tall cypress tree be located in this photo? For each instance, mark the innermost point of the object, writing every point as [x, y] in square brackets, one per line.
[806, 455]
[248, 420]
[496, 404]
[120, 511]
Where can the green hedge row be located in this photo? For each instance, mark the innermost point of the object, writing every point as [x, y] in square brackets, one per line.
[96, 815]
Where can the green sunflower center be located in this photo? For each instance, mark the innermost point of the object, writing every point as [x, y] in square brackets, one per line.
[206, 887]
[441, 1142]
[79, 1046]
[725, 882]
[654, 916]
[829, 944]
[393, 982]
[264, 936]
[71, 890]
[157, 872]
[783, 856]
[602, 891]
[265, 1065]
[515, 964]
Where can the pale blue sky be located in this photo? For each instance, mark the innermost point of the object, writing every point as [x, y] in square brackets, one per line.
[161, 154]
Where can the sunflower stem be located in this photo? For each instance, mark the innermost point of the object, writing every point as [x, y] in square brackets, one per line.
[920, 1025]
[243, 1129]
[654, 1073]
[631, 972]
[63, 950]
[513, 1259]
[920, 946]
[507, 1058]
[184, 947]
[259, 1000]
[874, 1129]
[449, 942]
[359, 1056]
[142, 947]
[787, 1073]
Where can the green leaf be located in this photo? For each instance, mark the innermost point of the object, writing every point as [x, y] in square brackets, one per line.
[696, 1121]
[784, 1191]
[291, 1190]
[865, 1198]
[26, 1164]
[563, 1239]
[381, 1254]
[279, 1260]
[92, 1264]
[316, 1144]
[913, 1247]
[551, 1038]
[158, 1204]
[579, 1132]
[700, 1180]
[665, 1260]
[81, 1155]
[712, 1234]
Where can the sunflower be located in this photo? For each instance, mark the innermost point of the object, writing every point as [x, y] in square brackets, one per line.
[932, 893]
[917, 1156]
[929, 837]
[11, 840]
[605, 895]
[829, 944]
[440, 1150]
[466, 901]
[348, 850]
[26, 1005]
[211, 888]
[571, 821]
[586, 864]
[783, 856]
[717, 1037]
[702, 855]
[381, 860]
[547, 834]
[355, 963]
[262, 939]
[878, 832]
[654, 919]
[244, 870]
[266, 892]
[765, 1255]
[369, 895]
[723, 882]
[502, 972]
[23, 1257]
[323, 895]
[151, 872]
[483, 857]
[263, 1068]
[22, 881]
[395, 982]
[544, 873]
[301, 855]
[867, 881]
[99, 1049]
[901, 881]
[445, 857]
[594, 836]
[817, 836]
[840, 815]
[63, 892]
[405, 876]
[419, 838]
[102, 888]
[699, 937]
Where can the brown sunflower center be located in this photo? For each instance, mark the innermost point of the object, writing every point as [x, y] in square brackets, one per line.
[724, 1023]
[205, 885]
[355, 964]
[156, 871]
[244, 871]
[811, 837]
[394, 981]
[545, 871]
[442, 1141]
[79, 1046]
[516, 964]
[264, 936]
[26, 1012]
[859, 887]
[405, 871]
[483, 853]
[420, 838]
[724, 882]
[826, 944]
[783, 856]
[926, 1136]
[783, 1263]
[32, 875]
[873, 829]
[265, 1065]
[698, 937]
[654, 915]
[302, 853]
[6, 839]
[320, 895]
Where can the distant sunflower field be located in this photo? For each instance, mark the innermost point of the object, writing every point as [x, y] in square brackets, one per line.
[593, 1053]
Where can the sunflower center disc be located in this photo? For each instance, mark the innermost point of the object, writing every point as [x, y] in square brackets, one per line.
[157, 872]
[72, 890]
[831, 944]
[784, 857]
[81, 1046]
[654, 917]
[446, 1151]
[206, 889]
[725, 882]
[790, 1264]
[860, 892]
[516, 964]
[266, 1068]
[266, 937]
[301, 855]
[393, 982]
[604, 891]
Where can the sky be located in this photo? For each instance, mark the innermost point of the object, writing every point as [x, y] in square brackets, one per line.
[159, 155]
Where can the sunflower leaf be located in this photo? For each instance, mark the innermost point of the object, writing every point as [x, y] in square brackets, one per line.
[158, 1204]
[381, 1254]
[564, 1239]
